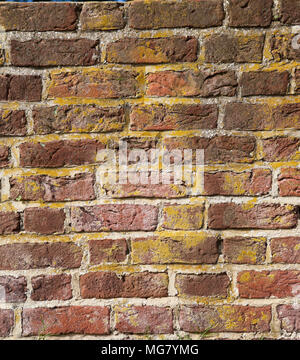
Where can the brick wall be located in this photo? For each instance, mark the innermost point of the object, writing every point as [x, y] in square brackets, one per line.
[85, 260]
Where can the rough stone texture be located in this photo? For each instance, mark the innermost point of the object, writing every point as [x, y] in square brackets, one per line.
[290, 12]
[241, 250]
[51, 287]
[6, 321]
[9, 222]
[108, 251]
[12, 289]
[12, 123]
[285, 250]
[44, 220]
[289, 317]
[289, 182]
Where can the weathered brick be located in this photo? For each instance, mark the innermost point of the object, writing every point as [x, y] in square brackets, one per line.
[241, 250]
[12, 289]
[77, 119]
[182, 217]
[175, 117]
[152, 51]
[9, 222]
[54, 52]
[66, 320]
[109, 285]
[51, 188]
[290, 12]
[144, 320]
[285, 250]
[244, 216]
[115, 217]
[281, 148]
[38, 17]
[100, 83]
[264, 284]
[20, 87]
[249, 183]
[289, 182]
[281, 47]
[239, 49]
[192, 249]
[265, 83]
[6, 322]
[108, 251]
[168, 14]
[59, 153]
[202, 284]
[44, 220]
[191, 83]
[227, 318]
[12, 123]
[289, 317]
[297, 81]
[51, 287]
[250, 13]
[24, 256]
[102, 16]
[4, 156]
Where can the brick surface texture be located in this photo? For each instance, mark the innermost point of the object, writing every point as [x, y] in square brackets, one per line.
[136, 259]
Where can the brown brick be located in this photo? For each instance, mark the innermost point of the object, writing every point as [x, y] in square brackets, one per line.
[182, 217]
[51, 287]
[152, 51]
[144, 320]
[20, 87]
[48, 188]
[114, 217]
[4, 156]
[202, 284]
[108, 251]
[280, 149]
[239, 49]
[191, 83]
[77, 119]
[290, 12]
[285, 250]
[38, 17]
[90, 83]
[297, 81]
[25, 256]
[102, 16]
[175, 117]
[12, 289]
[241, 250]
[264, 284]
[226, 318]
[289, 317]
[12, 123]
[6, 322]
[44, 220]
[169, 14]
[54, 52]
[265, 83]
[66, 320]
[244, 216]
[289, 182]
[250, 13]
[108, 285]
[9, 222]
[281, 46]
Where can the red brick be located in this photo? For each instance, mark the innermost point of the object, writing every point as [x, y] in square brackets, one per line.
[248, 183]
[20, 87]
[9, 222]
[264, 284]
[44, 220]
[229, 49]
[260, 216]
[6, 322]
[25, 256]
[51, 287]
[4, 156]
[106, 285]
[226, 318]
[286, 116]
[102, 16]
[115, 217]
[77, 119]
[250, 13]
[86, 320]
[265, 83]
[175, 117]
[38, 17]
[12, 289]
[202, 284]
[108, 251]
[285, 250]
[280, 148]
[152, 51]
[12, 122]
[289, 182]
[290, 12]
[297, 81]
[59, 153]
[47, 188]
[191, 83]
[144, 320]
[90, 83]
[182, 217]
[289, 317]
[54, 52]
[240, 250]
[170, 14]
